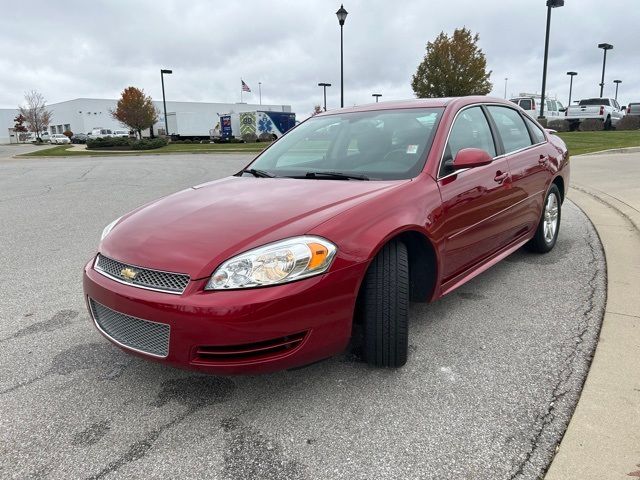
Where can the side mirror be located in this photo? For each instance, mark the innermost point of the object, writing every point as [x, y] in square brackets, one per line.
[471, 158]
[624, 107]
[562, 110]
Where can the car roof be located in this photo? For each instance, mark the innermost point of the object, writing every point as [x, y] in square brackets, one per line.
[418, 103]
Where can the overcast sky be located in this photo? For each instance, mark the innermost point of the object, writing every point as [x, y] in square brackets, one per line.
[95, 49]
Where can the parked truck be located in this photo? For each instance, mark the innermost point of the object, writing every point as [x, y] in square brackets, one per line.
[606, 109]
[259, 123]
[190, 125]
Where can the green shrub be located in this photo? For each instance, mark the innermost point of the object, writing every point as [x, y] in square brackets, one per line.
[629, 122]
[250, 138]
[122, 143]
[543, 122]
[559, 125]
[591, 125]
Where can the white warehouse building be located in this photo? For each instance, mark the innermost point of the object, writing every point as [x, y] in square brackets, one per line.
[81, 115]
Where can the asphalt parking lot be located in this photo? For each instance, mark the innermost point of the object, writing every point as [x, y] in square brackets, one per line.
[494, 373]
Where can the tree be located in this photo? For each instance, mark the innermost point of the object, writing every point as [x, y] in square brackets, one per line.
[35, 113]
[135, 110]
[19, 127]
[316, 110]
[453, 66]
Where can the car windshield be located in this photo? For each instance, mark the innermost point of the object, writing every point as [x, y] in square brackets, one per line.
[376, 145]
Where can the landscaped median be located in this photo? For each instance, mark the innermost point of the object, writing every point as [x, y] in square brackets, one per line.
[73, 150]
[588, 142]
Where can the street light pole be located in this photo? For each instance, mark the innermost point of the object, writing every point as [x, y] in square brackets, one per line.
[260, 91]
[342, 16]
[324, 87]
[550, 4]
[506, 79]
[605, 47]
[571, 75]
[164, 102]
[377, 95]
[617, 82]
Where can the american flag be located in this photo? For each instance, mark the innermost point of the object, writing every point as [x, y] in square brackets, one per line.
[245, 87]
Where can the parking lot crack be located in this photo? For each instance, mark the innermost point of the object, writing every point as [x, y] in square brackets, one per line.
[562, 386]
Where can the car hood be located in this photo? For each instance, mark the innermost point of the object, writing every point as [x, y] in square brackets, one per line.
[195, 230]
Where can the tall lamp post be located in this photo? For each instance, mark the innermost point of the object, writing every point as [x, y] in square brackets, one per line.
[617, 82]
[506, 79]
[324, 87]
[164, 72]
[571, 74]
[377, 95]
[260, 91]
[342, 16]
[550, 4]
[605, 47]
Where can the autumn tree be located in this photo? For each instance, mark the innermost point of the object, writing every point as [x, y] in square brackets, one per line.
[135, 110]
[35, 113]
[19, 128]
[452, 66]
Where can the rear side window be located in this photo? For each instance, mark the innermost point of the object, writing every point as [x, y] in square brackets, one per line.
[511, 127]
[536, 132]
[525, 104]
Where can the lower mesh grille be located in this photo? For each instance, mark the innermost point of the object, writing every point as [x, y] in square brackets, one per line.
[248, 351]
[131, 332]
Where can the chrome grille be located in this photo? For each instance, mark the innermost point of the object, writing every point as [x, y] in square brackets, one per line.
[142, 277]
[131, 332]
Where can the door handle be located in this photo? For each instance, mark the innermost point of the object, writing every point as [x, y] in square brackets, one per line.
[500, 177]
[543, 159]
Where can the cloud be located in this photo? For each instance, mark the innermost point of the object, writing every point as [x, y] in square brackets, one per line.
[82, 49]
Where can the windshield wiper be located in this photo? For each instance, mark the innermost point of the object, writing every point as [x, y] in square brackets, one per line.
[258, 173]
[335, 176]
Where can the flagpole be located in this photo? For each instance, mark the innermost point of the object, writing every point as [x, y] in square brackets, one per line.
[260, 91]
[241, 89]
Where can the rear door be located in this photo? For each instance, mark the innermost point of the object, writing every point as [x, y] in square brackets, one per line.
[525, 147]
[475, 201]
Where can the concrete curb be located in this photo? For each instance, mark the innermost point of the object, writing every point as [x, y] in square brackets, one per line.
[611, 150]
[602, 440]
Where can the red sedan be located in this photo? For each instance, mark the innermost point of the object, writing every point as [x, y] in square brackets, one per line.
[341, 222]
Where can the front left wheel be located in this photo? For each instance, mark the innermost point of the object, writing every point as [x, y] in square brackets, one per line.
[385, 307]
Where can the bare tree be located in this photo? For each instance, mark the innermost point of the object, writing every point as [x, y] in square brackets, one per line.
[35, 113]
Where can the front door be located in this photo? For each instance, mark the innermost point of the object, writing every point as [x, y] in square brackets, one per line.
[476, 201]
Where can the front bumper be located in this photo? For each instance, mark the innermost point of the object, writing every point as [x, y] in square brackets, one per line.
[318, 311]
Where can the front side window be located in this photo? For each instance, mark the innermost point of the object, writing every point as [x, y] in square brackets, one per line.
[511, 127]
[470, 130]
[379, 145]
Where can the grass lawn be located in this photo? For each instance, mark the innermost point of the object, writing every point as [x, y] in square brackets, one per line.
[63, 150]
[587, 142]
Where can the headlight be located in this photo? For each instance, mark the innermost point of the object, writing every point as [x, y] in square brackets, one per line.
[108, 228]
[276, 263]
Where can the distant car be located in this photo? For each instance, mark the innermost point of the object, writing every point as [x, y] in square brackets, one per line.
[531, 104]
[59, 139]
[99, 133]
[270, 268]
[633, 109]
[33, 137]
[120, 133]
[608, 110]
[79, 138]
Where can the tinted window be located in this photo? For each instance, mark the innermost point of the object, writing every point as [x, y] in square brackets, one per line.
[470, 130]
[512, 129]
[538, 135]
[382, 144]
[525, 104]
[594, 101]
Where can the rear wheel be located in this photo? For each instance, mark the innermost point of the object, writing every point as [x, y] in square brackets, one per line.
[385, 307]
[549, 227]
[607, 123]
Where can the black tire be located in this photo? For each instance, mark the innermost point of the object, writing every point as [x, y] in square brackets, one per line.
[541, 241]
[385, 307]
[607, 123]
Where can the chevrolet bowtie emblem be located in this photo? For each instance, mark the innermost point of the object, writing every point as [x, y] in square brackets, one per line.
[128, 273]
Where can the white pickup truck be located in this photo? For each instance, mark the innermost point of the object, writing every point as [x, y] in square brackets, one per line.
[606, 109]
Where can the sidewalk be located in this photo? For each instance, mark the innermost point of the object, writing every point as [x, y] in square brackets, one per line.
[603, 437]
